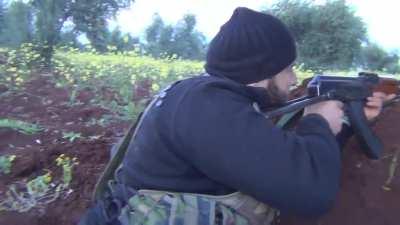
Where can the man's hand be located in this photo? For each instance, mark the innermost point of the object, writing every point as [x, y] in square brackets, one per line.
[331, 110]
[374, 104]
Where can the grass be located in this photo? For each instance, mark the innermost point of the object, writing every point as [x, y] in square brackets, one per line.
[71, 136]
[20, 126]
[6, 163]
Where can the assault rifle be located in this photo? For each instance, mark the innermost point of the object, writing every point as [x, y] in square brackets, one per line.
[352, 91]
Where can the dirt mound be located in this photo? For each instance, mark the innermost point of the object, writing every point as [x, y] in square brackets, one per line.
[370, 189]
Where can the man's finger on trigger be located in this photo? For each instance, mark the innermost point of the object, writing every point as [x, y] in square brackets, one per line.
[374, 104]
[374, 99]
[379, 94]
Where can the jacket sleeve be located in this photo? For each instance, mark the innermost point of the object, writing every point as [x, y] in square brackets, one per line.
[222, 135]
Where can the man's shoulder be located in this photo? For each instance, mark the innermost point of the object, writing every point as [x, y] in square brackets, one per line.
[204, 79]
[207, 83]
[212, 87]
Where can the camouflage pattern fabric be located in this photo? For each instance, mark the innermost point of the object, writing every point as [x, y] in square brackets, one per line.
[169, 208]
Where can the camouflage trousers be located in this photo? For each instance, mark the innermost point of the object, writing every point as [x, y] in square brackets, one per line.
[149, 207]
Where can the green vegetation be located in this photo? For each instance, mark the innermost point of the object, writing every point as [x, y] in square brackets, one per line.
[20, 126]
[40, 191]
[16, 26]
[331, 37]
[123, 72]
[18, 64]
[66, 163]
[6, 163]
[120, 70]
[71, 136]
[181, 40]
[123, 81]
[42, 22]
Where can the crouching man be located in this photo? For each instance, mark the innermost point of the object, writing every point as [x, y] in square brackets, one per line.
[203, 153]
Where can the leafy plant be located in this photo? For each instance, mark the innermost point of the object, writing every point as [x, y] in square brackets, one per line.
[66, 164]
[40, 191]
[119, 71]
[72, 97]
[6, 163]
[103, 121]
[37, 193]
[71, 136]
[20, 126]
[20, 62]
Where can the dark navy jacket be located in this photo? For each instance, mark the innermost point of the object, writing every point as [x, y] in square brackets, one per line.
[204, 136]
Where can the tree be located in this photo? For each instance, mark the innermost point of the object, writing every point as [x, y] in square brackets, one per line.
[18, 27]
[88, 16]
[182, 39]
[189, 43]
[91, 17]
[50, 19]
[121, 42]
[2, 12]
[155, 35]
[329, 36]
[70, 38]
[375, 58]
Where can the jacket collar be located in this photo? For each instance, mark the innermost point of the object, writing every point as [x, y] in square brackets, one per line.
[257, 94]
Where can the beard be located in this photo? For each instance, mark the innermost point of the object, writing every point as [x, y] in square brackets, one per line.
[276, 95]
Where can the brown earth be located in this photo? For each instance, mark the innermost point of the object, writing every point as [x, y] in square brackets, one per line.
[367, 195]
[42, 103]
[370, 189]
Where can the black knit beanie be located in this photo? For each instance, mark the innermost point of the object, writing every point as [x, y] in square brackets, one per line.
[250, 47]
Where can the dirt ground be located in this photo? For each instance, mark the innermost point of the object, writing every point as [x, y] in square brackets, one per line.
[370, 189]
[42, 103]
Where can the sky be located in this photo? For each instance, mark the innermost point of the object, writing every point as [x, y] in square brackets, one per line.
[381, 17]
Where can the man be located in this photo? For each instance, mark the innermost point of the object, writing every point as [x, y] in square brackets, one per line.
[203, 152]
